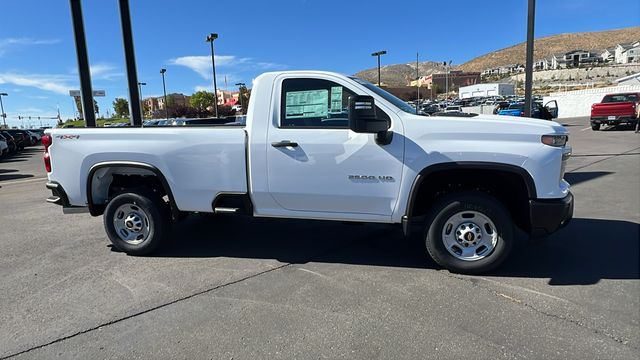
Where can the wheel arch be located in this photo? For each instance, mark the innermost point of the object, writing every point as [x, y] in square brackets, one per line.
[139, 169]
[525, 184]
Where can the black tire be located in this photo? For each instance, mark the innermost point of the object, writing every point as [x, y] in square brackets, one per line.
[146, 203]
[595, 127]
[458, 203]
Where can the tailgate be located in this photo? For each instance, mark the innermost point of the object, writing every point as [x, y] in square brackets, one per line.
[614, 109]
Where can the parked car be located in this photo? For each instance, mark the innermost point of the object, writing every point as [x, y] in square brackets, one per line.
[4, 147]
[538, 111]
[616, 109]
[382, 163]
[11, 141]
[21, 139]
[201, 121]
[502, 105]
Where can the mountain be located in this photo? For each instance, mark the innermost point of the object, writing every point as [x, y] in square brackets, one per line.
[545, 47]
[401, 74]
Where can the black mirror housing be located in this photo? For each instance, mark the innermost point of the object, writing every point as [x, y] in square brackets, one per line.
[362, 116]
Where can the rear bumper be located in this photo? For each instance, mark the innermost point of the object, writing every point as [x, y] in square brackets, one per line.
[59, 197]
[617, 119]
[549, 215]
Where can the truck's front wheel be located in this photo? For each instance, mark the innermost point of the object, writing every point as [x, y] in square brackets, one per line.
[469, 232]
[136, 222]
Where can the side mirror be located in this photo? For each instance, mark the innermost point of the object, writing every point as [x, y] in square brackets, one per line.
[363, 119]
[362, 116]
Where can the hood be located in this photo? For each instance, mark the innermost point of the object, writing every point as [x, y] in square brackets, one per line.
[481, 126]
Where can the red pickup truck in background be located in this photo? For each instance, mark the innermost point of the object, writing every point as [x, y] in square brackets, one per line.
[615, 109]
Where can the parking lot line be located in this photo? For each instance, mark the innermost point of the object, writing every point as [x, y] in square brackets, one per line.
[23, 181]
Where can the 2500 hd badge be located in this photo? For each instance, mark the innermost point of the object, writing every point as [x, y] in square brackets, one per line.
[371, 177]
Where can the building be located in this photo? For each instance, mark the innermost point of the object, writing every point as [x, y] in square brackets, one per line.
[485, 90]
[228, 98]
[174, 99]
[575, 58]
[627, 53]
[608, 55]
[541, 65]
[629, 80]
[457, 79]
[150, 105]
[155, 105]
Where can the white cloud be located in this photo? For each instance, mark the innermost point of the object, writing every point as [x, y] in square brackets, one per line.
[7, 44]
[104, 71]
[59, 84]
[101, 71]
[202, 64]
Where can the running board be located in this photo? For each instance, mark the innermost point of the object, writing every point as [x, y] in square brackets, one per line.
[226, 210]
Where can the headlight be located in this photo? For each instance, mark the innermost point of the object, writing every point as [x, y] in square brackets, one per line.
[555, 140]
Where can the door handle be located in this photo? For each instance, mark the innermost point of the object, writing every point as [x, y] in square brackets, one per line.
[284, 143]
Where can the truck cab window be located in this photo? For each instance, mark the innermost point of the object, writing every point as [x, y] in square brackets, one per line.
[316, 103]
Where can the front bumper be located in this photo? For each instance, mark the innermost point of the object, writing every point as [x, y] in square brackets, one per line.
[549, 215]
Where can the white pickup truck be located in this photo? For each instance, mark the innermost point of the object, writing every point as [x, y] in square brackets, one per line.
[320, 145]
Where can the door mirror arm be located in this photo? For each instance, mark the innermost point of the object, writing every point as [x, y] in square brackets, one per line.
[384, 137]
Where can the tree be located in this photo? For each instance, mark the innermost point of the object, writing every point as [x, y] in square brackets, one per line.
[201, 100]
[79, 106]
[121, 107]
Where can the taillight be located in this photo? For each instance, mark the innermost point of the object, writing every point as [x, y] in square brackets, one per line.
[47, 162]
[46, 141]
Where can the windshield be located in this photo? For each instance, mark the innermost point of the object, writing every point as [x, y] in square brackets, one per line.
[620, 98]
[387, 96]
[516, 106]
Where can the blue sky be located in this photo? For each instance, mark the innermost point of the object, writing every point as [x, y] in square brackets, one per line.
[38, 64]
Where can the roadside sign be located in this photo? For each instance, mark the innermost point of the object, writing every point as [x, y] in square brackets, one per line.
[95, 93]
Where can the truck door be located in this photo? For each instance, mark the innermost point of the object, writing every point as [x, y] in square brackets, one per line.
[316, 164]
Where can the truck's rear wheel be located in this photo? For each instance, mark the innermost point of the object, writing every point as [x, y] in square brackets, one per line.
[136, 222]
[595, 127]
[469, 232]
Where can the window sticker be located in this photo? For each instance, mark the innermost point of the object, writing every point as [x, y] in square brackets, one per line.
[306, 104]
[336, 99]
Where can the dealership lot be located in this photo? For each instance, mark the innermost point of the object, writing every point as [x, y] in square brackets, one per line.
[255, 288]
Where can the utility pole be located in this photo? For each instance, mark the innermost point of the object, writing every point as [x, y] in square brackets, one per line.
[528, 80]
[164, 90]
[4, 116]
[140, 84]
[241, 86]
[210, 38]
[417, 85]
[447, 65]
[378, 53]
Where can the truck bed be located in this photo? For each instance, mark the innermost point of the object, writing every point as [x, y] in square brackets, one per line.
[204, 161]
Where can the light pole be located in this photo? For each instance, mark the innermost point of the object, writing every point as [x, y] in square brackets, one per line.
[164, 90]
[528, 79]
[4, 116]
[447, 65]
[378, 53]
[140, 84]
[241, 86]
[210, 38]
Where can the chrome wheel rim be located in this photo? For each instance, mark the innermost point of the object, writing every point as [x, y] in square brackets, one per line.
[131, 223]
[469, 235]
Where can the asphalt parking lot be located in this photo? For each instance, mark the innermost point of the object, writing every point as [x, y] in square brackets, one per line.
[246, 288]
